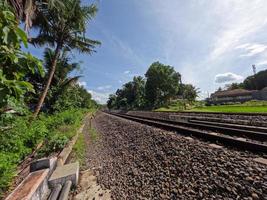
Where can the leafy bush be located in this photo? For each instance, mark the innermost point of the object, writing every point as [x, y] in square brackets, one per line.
[12, 140]
[35, 134]
[15, 64]
[68, 117]
[7, 169]
[58, 142]
[22, 137]
[74, 97]
[53, 144]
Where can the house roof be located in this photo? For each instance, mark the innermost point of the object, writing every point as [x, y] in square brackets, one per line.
[230, 93]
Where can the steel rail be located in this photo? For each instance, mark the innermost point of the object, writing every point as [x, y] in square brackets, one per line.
[213, 137]
[238, 130]
[217, 113]
[231, 125]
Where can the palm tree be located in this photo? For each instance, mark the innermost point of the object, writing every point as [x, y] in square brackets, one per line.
[63, 28]
[139, 90]
[27, 10]
[61, 79]
[60, 82]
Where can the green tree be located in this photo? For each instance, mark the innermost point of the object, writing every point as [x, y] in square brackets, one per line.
[121, 100]
[131, 96]
[74, 96]
[190, 93]
[139, 92]
[128, 93]
[63, 28]
[234, 86]
[257, 81]
[61, 80]
[162, 84]
[111, 103]
[14, 63]
[26, 10]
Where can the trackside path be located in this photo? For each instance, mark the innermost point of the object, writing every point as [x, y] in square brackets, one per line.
[136, 161]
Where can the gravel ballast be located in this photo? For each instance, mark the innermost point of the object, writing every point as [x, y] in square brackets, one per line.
[142, 162]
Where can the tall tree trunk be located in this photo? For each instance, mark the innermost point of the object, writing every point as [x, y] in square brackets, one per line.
[48, 82]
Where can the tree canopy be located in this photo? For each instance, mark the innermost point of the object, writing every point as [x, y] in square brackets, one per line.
[160, 85]
[163, 83]
[15, 63]
[23, 78]
[256, 82]
[63, 28]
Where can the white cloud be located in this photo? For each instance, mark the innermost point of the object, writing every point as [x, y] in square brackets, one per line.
[104, 87]
[99, 96]
[246, 18]
[264, 62]
[227, 77]
[252, 49]
[200, 38]
[242, 46]
[82, 83]
[127, 72]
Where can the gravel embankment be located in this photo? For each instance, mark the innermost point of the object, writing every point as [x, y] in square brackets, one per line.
[141, 162]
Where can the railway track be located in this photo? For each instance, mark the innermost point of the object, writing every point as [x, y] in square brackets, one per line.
[239, 136]
[214, 113]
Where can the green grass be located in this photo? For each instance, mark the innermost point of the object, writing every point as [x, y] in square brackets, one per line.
[79, 149]
[94, 135]
[232, 108]
[247, 107]
[180, 105]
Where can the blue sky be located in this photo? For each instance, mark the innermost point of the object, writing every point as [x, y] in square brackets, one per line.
[210, 42]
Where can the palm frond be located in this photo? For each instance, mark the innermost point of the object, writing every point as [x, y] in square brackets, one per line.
[43, 39]
[18, 7]
[83, 44]
[66, 26]
[69, 81]
[29, 12]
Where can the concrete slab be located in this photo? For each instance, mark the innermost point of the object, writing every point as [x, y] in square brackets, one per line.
[33, 187]
[43, 163]
[65, 173]
[261, 160]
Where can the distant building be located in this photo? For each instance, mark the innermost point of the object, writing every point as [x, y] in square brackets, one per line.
[237, 95]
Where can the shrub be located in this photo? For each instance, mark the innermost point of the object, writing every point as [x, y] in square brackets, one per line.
[7, 169]
[53, 144]
[58, 142]
[22, 137]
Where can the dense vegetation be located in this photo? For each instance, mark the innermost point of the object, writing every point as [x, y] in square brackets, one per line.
[29, 85]
[161, 85]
